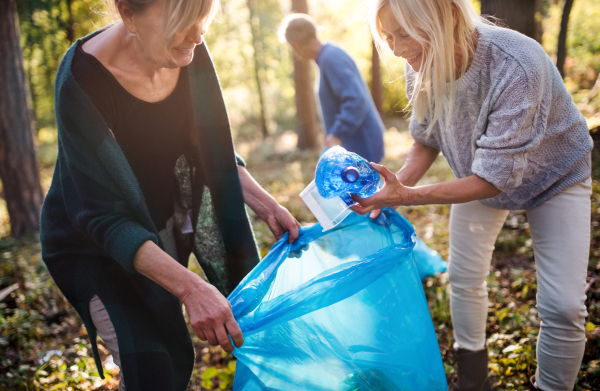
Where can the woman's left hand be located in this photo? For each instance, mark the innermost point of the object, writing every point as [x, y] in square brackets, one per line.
[393, 193]
[267, 208]
[281, 221]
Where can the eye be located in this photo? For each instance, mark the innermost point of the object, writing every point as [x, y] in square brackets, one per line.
[404, 36]
[389, 38]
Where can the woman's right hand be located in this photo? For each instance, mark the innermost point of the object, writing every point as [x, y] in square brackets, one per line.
[419, 159]
[210, 315]
[375, 213]
[209, 311]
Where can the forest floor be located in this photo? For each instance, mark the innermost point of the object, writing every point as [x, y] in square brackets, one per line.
[44, 346]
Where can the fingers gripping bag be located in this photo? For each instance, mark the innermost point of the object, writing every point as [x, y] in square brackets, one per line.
[339, 310]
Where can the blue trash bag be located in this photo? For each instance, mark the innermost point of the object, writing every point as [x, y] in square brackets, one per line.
[429, 262]
[339, 310]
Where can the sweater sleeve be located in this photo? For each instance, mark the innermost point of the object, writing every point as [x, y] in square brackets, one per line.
[96, 205]
[418, 131]
[347, 87]
[512, 129]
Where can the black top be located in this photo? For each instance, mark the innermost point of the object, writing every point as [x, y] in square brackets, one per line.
[94, 220]
[152, 135]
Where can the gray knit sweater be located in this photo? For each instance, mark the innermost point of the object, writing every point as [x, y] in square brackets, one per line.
[516, 125]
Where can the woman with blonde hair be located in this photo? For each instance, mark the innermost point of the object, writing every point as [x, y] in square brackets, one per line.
[146, 173]
[493, 103]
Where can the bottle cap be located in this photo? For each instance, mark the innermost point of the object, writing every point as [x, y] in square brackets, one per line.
[350, 174]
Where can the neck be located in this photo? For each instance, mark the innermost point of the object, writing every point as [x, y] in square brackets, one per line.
[137, 60]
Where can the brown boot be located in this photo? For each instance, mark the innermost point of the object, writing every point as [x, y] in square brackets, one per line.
[472, 371]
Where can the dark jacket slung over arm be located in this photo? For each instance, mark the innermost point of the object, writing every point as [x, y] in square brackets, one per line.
[94, 220]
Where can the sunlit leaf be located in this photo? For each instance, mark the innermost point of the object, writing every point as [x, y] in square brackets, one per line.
[590, 327]
[209, 373]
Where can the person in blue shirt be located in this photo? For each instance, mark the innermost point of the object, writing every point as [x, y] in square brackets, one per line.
[348, 111]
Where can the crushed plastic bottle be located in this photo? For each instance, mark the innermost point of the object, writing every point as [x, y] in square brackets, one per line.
[341, 173]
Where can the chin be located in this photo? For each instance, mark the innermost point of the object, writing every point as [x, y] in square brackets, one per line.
[182, 60]
[416, 67]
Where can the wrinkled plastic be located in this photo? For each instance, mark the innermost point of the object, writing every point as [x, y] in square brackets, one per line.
[340, 310]
[429, 262]
[341, 173]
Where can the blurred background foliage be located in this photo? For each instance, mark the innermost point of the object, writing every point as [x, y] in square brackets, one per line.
[45, 36]
[49, 26]
[43, 345]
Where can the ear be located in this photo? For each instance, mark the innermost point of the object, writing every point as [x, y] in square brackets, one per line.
[126, 16]
[299, 50]
[454, 13]
[296, 46]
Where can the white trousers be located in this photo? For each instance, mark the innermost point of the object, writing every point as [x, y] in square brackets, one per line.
[100, 318]
[560, 231]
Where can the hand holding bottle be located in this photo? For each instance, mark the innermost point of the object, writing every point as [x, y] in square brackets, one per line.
[393, 193]
[340, 173]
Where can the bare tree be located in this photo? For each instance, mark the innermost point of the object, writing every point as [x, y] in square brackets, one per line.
[519, 15]
[561, 53]
[305, 101]
[69, 26]
[19, 171]
[376, 86]
[257, 43]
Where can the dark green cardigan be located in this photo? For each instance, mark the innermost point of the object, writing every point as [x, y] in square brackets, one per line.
[95, 218]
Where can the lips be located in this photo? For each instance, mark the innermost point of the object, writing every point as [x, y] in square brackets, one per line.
[413, 58]
[184, 50]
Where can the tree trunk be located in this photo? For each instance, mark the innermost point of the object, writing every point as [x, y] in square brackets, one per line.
[257, 46]
[70, 22]
[32, 96]
[519, 15]
[305, 101]
[561, 53]
[18, 166]
[376, 87]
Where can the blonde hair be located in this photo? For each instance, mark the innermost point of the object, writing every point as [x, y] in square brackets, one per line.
[431, 24]
[299, 28]
[179, 15]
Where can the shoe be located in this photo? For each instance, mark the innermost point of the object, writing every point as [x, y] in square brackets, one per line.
[532, 385]
[472, 371]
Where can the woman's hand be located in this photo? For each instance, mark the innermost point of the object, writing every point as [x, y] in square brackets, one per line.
[267, 208]
[419, 159]
[281, 221]
[209, 311]
[457, 191]
[393, 193]
[210, 315]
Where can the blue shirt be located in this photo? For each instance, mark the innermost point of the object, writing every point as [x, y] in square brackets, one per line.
[347, 106]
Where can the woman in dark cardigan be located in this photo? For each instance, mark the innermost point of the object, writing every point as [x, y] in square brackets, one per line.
[147, 173]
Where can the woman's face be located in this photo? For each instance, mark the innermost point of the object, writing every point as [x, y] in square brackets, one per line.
[400, 43]
[182, 49]
[150, 29]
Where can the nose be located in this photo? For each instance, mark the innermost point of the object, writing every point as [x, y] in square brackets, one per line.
[399, 48]
[195, 33]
